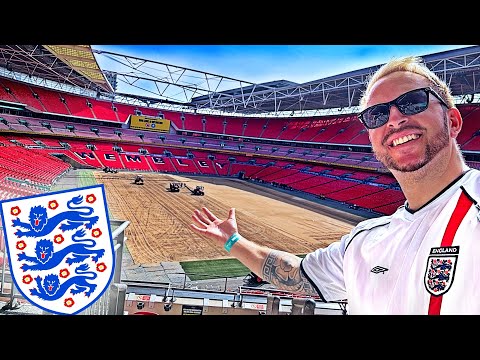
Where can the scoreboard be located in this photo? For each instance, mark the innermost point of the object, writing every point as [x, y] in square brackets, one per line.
[142, 122]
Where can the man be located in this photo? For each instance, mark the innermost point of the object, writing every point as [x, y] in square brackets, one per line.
[423, 258]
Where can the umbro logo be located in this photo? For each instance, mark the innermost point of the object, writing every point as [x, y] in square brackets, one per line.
[378, 269]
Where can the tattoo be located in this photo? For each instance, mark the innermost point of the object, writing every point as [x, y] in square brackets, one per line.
[282, 270]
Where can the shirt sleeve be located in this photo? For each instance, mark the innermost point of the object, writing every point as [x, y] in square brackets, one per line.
[324, 269]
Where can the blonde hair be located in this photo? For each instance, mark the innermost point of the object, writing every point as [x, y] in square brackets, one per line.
[414, 65]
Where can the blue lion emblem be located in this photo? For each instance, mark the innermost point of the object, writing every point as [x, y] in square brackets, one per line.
[51, 289]
[40, 225]
[46, 258]
[439, 274]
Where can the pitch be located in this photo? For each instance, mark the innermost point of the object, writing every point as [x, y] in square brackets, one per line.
[159, 219]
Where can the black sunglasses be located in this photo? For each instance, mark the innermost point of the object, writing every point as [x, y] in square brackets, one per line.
[411, 103]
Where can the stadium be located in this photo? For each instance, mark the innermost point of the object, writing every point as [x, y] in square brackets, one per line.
[293, 159]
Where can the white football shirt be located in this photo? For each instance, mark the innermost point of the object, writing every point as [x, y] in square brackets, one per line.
[425, 262]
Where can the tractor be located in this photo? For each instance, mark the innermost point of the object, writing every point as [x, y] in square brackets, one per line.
[174, 187]
[198, 191]
[138, 180]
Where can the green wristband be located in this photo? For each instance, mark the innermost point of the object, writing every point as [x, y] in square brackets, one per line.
[231, 241]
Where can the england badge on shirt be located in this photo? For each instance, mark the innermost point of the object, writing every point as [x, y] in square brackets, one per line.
[60, 247]
[441, 269]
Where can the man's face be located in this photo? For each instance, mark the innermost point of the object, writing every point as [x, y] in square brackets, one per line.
[407, 143]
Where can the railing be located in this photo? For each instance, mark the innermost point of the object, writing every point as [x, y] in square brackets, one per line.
[112, 301]
[180, 290]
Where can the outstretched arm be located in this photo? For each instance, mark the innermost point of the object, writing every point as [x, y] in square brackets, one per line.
[279, 268]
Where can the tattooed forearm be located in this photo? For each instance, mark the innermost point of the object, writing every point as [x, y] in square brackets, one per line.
[282, 270]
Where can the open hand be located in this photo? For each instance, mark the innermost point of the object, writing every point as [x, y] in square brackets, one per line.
[212, 227]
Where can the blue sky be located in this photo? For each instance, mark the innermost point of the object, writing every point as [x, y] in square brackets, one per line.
[263, 63]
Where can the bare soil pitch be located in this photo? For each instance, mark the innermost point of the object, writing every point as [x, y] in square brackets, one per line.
[159, 220]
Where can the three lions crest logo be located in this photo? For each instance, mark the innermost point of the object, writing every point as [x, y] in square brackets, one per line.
[60, 248]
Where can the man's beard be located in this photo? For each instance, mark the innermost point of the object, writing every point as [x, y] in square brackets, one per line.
[432, 148]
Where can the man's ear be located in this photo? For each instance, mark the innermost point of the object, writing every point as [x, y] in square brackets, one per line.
[456, 121]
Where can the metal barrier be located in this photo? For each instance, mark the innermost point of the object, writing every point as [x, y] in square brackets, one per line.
[112, 301]
[299, 306]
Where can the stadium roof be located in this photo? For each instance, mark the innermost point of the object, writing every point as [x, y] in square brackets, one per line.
[159, 84]
[460, 68]
[66, 64]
